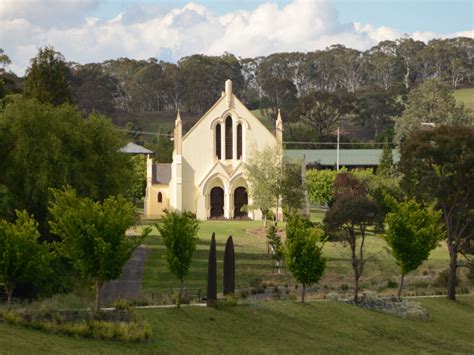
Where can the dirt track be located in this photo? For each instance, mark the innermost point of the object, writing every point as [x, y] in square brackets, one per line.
[128, 285]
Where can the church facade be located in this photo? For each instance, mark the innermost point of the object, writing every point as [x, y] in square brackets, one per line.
[207, 175]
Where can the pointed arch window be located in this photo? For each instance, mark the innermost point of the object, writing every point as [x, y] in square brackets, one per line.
[239, 141]
[160, 197]
[228, 138]
[218, 141]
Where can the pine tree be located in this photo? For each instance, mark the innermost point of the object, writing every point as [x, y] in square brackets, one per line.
[229, 267]
[385, 167]
[212, 273]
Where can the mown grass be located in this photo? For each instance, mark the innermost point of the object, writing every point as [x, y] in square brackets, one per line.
[466, 96]
[274, 327]
[253, 261]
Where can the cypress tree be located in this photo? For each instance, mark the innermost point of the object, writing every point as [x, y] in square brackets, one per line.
[229, 267]
[385, 167]
[212, 273]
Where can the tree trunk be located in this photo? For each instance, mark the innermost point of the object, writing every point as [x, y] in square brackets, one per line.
[453, 255]
[356, 290]
[303, 291]
[399, 294]
[180, 294]
[407, 78]
[98, 289]
[9, 288]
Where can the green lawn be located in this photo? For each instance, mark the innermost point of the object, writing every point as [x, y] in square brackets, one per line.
[274, 327]
[252, 261]
[466, 96]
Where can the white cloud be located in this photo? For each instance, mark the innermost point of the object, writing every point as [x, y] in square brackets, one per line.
[301, 25]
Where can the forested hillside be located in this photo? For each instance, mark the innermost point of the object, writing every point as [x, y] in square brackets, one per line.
[316, 90]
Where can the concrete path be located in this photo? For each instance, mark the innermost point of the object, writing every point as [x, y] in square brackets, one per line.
[127, 287]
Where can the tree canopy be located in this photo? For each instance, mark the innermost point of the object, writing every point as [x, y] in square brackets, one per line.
[43, 147]
[438, 167]
[48, 78]
[92, 234]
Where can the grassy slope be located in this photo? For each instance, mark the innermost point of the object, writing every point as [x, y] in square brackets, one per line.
[252, 260]
[466, 96]
[275, 327]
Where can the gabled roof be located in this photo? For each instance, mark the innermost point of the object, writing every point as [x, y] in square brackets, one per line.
[132, 148]
[161, 173]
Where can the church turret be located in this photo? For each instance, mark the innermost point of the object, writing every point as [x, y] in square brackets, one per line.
[178, 134]
[279, 130]
[177, 166]
[228, 92]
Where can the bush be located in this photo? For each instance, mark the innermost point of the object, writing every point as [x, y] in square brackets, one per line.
[344, 287]
[392, 284]
[93, 325]
[228, 301]
[442, 279]
[121, 305]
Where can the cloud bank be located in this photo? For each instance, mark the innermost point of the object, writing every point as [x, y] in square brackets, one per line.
[144, 31]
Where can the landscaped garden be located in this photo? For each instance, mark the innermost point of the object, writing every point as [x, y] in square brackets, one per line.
[255, 268]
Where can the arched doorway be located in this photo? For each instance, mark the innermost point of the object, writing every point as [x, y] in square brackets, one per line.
[240, 199]
[217, 202]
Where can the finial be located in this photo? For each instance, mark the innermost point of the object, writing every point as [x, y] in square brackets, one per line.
[178, 117]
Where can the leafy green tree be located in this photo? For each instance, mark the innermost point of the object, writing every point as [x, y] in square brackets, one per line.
[431, 102]
[408, 50]
[438, 167]
[303, 251]
[320, 185]
[413, 232]
[264, 173]
[274, 241]
[347, 221]
[4, 59]
[322, 111]
[92, 234]
[179, 234]
[138, 186]
[48, 78]
[292, 189]
[22, 257]
[386, 167]
[44, 147]
[162, 146]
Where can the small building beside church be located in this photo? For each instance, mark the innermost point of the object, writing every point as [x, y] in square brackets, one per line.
[207, 175]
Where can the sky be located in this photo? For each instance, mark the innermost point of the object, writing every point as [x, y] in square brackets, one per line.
[86, 31]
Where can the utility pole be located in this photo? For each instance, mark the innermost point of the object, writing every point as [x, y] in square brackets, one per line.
[337, 150]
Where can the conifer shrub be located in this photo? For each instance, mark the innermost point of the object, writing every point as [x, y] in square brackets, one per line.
[229, 267]
[212, 273]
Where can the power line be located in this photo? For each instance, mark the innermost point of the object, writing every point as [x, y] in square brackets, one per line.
[144, 132]
[333, 143]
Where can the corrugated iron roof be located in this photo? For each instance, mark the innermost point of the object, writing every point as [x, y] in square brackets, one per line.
[347, 157]
[132, 148]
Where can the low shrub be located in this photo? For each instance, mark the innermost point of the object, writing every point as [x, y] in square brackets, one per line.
[227, 301]
[344, 287]
[392, 284]
[121, 305]
[244, 293]
[442, 279]
[91, 326]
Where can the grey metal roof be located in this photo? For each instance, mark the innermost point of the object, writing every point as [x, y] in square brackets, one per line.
[347, 157]
[132, 148]
[161, 173]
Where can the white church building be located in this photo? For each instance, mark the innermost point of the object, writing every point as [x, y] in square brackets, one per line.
[207, 175]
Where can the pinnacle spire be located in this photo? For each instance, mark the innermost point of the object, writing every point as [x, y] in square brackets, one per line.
[178, 118]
